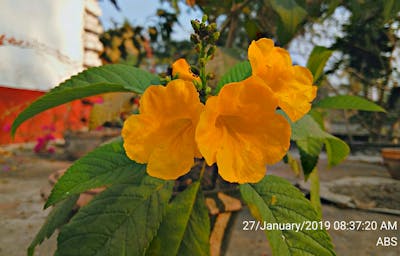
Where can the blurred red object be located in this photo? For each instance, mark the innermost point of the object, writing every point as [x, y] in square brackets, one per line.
[70, 116]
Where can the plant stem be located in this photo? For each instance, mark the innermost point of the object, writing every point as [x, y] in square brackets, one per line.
[203, 168]
[202, 59]
[314, 192]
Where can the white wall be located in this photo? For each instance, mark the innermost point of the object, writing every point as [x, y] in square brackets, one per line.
[52, 48]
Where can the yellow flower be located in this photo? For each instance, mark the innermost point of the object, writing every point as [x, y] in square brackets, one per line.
[240, 131]
[162, 135]
[292, 85]
[182, 69]
[191, 3]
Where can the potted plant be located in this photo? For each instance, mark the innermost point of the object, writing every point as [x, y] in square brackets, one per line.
[155, 200]
[391, 159]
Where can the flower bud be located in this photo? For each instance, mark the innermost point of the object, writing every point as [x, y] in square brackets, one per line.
[213, 27]
[211, 51]
[195, 25]
[208, 90]
[216, 36]
[203, 62]
[203, 30]
[210, 76]
[194, 38]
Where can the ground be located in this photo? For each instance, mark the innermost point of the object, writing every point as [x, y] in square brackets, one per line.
[23, 174]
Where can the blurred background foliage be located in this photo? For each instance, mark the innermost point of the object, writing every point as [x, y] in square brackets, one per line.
[365, 47]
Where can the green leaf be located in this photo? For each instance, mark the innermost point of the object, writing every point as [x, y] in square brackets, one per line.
[317, 61]
[307, 129]
[309, 153]
[105, 165]
[311, 146]
[185, 229]
[237, 73]
[348, 102]
[123, 220]
[275, 200]
[336, 149]
[291, 15]
[318, 117]
[391, 9]
[330, 8]
[310, 150]
[308, 163]
[96, 80]
[57, 217]
[291, 161]
[252, 28]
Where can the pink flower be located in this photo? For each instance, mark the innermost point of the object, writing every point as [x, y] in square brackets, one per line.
[7, 127]
[49, 137]
[98, 100]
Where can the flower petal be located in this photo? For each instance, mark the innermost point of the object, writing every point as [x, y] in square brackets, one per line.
[179, 99]
[207, 134]
[182, 69]
[296, 94]
[292, 85]
[240, 162]
[240, 130]
[162, 135]
[174, 154]
[137, 133]
[268, 62]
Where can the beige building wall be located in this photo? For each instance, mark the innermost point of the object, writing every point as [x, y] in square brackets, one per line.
[43, 42]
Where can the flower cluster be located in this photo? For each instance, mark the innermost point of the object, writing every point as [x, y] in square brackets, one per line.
[239, 129]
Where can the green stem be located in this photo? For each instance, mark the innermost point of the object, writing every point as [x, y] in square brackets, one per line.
[203, 168]
[314, 192]
[202, 67]
[202, 72]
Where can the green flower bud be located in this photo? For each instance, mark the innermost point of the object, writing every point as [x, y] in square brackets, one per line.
[211, 51]
[202, 62]
[194, 38]
[210, 76]
[203, 30]
[216, 36]
[195, 25]
[213, 27]
[208, 90]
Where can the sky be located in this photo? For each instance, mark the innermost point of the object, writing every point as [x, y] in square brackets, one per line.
[143, 12]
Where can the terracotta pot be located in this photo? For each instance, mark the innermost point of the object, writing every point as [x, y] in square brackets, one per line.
[391, 159]
[79, 143]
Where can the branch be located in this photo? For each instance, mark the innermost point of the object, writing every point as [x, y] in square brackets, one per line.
[235, 10]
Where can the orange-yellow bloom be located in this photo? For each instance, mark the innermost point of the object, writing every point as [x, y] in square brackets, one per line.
[292, 85]
[191, 3]
[182, 69]
[162, 135]
[241, 131]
